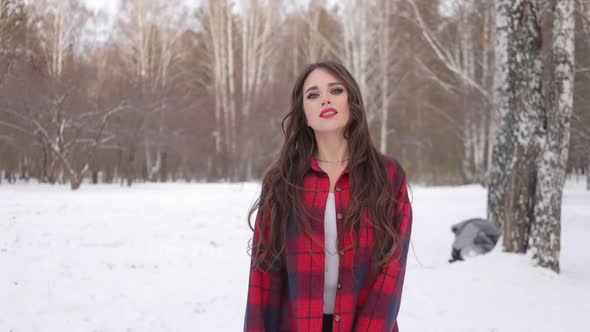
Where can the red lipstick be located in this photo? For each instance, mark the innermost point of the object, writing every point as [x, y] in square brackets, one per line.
[328, 113]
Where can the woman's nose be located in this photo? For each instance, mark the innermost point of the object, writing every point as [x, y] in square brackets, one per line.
[326, 101]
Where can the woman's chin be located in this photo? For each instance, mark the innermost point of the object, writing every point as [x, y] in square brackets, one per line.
[330, 127]
[336, 131]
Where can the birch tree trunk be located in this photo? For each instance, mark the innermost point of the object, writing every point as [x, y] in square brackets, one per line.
[223, 84]
[257, 51]
[500, 162]
[60, 27]
[520, 101]
[466, 60]
[314, 48]
[546, 230]
[231, 96]
[150, 38]
[358, 47]
[585, 8]
[474, 66]
[384, 58]
[136, 36]
[220, 41]
[489, 121]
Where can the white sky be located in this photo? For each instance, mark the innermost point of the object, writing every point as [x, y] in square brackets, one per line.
[110, 6]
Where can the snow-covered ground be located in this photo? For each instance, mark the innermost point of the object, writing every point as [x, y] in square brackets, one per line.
[172, 257]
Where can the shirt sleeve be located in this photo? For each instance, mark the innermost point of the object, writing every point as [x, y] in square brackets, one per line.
[380, 310]
[263, 305]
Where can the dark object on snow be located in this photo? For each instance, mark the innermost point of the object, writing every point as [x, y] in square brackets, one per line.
[455, 256]
[473, 237]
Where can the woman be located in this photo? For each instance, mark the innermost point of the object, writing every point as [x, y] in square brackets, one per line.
[333, 224]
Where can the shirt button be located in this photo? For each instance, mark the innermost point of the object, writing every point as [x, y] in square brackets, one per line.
[338, 188]
[339, 285]
[337, 318]
[339, 215]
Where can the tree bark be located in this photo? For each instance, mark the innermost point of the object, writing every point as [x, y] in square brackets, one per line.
[500, 162]
[520, 101]
[546, 230]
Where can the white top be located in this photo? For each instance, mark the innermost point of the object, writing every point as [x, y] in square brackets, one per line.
[332, 259]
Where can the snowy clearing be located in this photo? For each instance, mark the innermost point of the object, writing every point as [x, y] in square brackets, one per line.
[172, 257]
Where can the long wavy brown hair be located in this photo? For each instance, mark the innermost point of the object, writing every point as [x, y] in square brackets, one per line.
[280, 200]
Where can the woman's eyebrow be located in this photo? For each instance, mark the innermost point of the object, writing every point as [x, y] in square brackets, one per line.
[312, 88]
[316, 87]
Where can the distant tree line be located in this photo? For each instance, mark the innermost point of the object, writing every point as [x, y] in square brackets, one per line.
[162, 93]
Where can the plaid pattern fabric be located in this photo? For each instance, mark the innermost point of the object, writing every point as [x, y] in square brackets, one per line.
[292, 299]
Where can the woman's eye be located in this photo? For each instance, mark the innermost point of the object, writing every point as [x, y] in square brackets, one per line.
[337, 91]
[312, 95]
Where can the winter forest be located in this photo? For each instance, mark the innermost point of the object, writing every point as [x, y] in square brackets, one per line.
[163, 92]
[485, 103]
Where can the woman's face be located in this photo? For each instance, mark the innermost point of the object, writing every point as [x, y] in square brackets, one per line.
[325, 102]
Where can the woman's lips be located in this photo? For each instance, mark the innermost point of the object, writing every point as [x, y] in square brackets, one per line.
[328, 113]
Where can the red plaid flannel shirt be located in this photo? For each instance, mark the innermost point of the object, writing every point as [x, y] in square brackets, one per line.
[292, 299]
